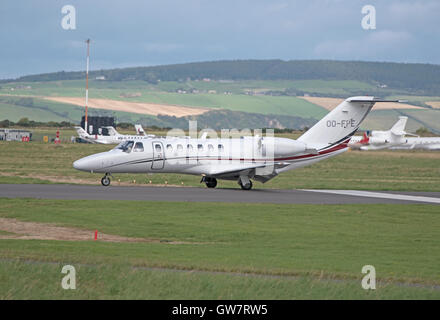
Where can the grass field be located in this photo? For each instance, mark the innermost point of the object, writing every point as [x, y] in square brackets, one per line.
[182, 250]
[375, 170]
[384, 119]
[76, 87]
[45, 110]
[248, 251]
[252, 104]
[237, 98]
[14, 113]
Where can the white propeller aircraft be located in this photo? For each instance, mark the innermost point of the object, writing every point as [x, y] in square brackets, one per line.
[114, 136]
[241, 159]
[395, 138]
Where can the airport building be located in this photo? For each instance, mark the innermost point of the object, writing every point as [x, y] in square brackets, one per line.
[96, 124]
[15, 135]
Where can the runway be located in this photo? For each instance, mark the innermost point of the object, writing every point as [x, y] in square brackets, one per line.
[194, 194]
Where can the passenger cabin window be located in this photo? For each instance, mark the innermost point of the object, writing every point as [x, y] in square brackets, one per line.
[138, 147]
[200, 147]
[220, 148]
[210, 147]
[189, 147]
[179, 147]
[158, 148]
[169, 147]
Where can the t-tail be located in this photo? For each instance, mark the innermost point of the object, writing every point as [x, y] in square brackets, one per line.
[112, 131]
[82, 133]
[139, 129]
[337, 127]
[399, 127]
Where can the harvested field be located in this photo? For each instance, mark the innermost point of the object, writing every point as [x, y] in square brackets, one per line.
[331, 103]
[434, 104]
[133, 107]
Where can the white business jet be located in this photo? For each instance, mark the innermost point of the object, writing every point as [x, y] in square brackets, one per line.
[395, 138]
[139, 131]
[114, 136]
[240, 159]
[382, 139]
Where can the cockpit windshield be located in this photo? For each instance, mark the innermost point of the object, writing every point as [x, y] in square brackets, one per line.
[125, 146]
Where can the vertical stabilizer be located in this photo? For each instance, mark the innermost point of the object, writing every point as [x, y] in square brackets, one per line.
[399, 127]
[341, 123]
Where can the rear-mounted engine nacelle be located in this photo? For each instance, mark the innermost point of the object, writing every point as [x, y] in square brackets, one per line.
[282, 146]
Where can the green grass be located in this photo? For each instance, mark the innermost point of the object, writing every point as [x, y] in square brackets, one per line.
[45, 110]
[21, 280]
[154, 94]
[5, 233]
[416, 98]
[309, 242]
[165, 93]
[19, 180]
[427, 118]
[76, 87]
[15, 113]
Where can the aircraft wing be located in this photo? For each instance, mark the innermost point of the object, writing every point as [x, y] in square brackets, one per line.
[229, 169]
[260, 171]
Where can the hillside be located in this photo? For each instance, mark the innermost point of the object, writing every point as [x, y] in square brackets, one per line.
[421, 79]
[225, 94]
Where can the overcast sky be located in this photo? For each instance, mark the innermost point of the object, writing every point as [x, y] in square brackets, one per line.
[141, 33]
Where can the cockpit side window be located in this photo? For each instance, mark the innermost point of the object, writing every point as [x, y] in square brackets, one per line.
[126, 146]
[138, 147]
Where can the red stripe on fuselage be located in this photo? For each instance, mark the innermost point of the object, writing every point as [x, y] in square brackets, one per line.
[338, 147]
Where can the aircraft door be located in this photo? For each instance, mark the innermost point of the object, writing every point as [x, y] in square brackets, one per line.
[158, 156]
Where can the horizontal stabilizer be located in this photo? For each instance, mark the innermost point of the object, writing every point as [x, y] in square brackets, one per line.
[372, 99]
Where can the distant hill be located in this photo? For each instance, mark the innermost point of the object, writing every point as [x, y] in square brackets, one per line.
[421, 79]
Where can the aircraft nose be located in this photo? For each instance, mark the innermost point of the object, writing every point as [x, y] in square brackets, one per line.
[92, 163]
[82, 164]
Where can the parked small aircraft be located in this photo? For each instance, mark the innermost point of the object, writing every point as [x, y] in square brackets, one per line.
[241, 159]
[395, 138]
[114, 136]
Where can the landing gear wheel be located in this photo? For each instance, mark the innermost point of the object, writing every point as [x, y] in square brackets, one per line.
[211, 182]
[105, 181]
[247, 186]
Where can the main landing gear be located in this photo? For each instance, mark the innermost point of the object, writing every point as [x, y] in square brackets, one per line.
[210, 182]
[105, 181]
[245, 183]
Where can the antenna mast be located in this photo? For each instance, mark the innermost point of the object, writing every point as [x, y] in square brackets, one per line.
[87, 85]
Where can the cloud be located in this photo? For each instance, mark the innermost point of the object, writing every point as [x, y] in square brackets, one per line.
[162, 47]
[372, 45]
[172, 31]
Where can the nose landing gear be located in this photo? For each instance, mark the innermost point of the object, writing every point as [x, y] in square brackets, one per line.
[105, 181]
